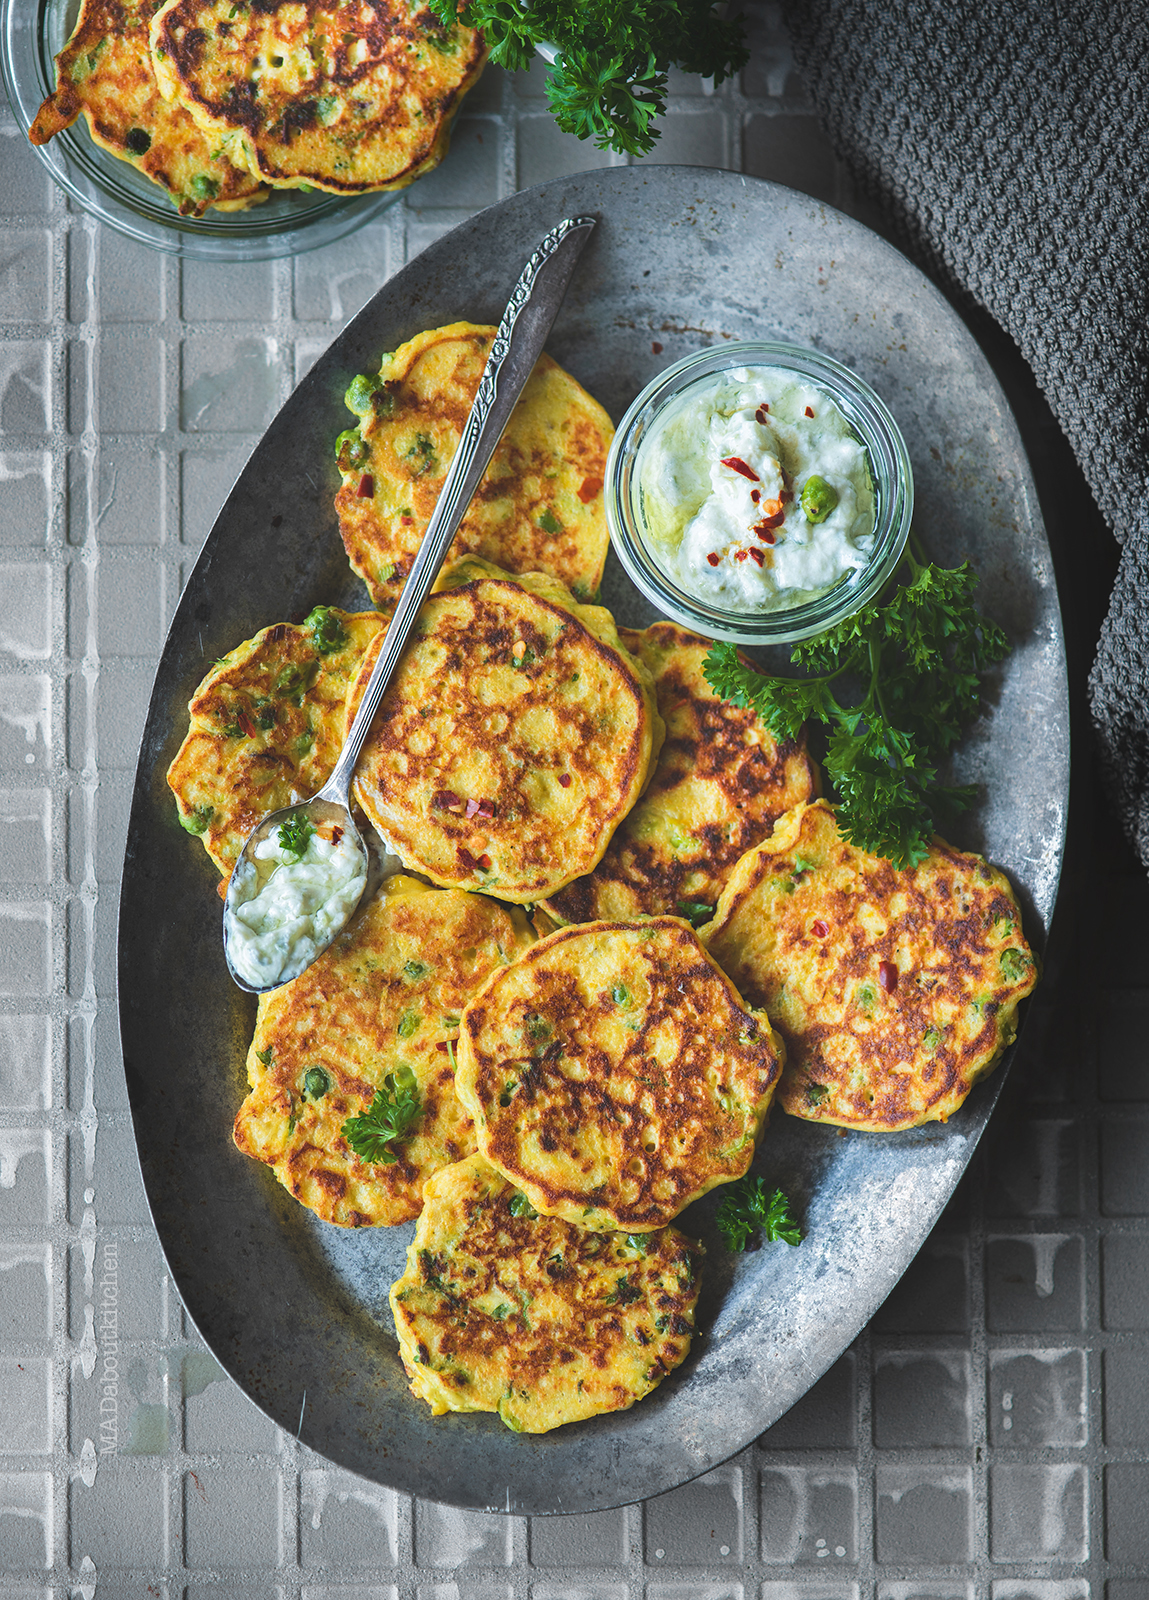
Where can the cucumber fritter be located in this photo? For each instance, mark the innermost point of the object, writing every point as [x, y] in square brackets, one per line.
[105, 73]
[383, 1002]
[267, 726]
[720, 784]
[515, 734]
[543, 1322]
[348, 97]
[615, 1074]
[538, 507]
[895, 989]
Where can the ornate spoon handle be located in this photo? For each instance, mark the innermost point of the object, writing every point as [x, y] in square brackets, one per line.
[521, 335]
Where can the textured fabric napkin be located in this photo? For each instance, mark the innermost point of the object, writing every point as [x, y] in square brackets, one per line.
[1006, 145]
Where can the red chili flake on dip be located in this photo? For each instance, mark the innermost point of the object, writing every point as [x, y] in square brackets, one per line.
[888, 976]
[774, 518]
[740, 555]
[336, 835]
[714, 558]
[656, 348]
[759, 555]
[809, 411]
[764, 530]
[820, 929]
[762, 412]
[366, 487]
[736, 464]
[755, 495]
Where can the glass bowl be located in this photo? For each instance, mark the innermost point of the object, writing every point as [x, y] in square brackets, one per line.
[886, 456]
[31, 33]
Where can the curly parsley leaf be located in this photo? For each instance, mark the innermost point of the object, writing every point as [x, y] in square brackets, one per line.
[783, 704]
[745, 1209]
[608, 82]
[390, 1118]
[920, 656]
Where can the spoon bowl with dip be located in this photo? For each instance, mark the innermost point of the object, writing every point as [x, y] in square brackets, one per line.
[304, 870]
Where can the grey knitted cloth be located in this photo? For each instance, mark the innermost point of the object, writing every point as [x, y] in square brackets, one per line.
[1006, 144]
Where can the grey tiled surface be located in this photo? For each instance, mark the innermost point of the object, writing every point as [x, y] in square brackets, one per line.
[987, 1438]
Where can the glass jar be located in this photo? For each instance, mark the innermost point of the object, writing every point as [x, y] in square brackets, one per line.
[810, 612]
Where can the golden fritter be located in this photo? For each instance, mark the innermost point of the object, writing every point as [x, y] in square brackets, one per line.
[615, 1074]
[349, 96]
[720, 785]
[502, 1310]
[895, 989]
[513, 737]
[375, 1016]
[267, 726]
[105, 73]
[538, 507]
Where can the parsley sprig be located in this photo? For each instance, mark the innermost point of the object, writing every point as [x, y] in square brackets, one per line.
[745, 1209]
[295, 834]
[608, 82]
[919, 656]
[388, 1119]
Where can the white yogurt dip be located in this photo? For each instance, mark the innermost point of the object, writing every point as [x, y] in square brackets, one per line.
[755, 491]
[283, 909]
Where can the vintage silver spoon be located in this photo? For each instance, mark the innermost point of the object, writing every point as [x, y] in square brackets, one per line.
[302, 927]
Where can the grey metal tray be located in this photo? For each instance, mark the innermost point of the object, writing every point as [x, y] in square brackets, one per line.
[297, 1311]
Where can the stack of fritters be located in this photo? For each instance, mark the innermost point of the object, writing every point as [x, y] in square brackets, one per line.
[345, 97]
[218, 100]
[538, 507]
[614, 1071]
[105, 72]
[614, 1076]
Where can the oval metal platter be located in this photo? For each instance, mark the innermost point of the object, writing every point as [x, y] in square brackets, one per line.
[296, 1310]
